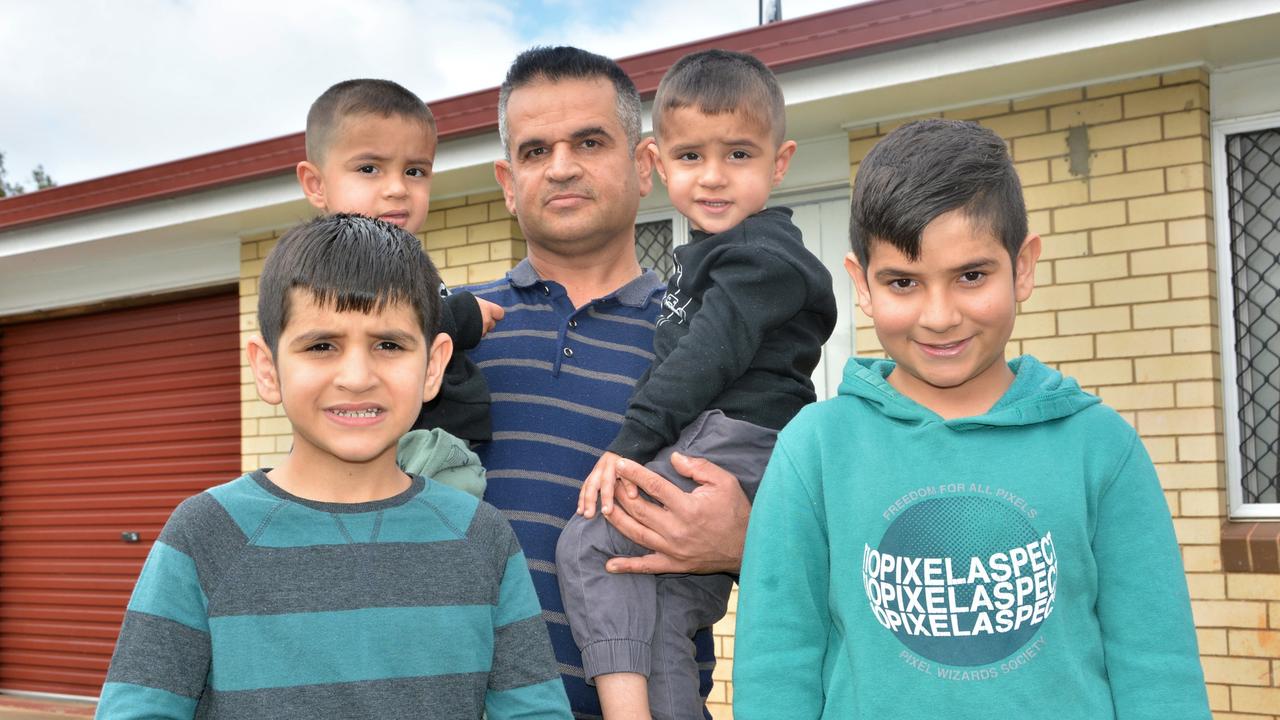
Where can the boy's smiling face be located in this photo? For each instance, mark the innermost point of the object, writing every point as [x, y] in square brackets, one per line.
[946, 317]
[718, 169]
[374, 166]
[351, 383]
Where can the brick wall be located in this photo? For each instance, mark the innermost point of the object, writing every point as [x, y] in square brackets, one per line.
[471, 239]
[1117, 182]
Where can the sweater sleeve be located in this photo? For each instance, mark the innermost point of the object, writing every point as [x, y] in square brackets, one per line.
[524, 682]
[161, 661]
[1143, 607]
[753, 290]
[784, 622]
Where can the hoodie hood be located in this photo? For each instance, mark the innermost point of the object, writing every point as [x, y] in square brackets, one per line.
[1038, 394]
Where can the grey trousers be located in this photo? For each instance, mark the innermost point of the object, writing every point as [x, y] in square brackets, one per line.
[645, 623]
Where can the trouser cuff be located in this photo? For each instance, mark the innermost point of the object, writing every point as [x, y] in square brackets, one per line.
[614, 656]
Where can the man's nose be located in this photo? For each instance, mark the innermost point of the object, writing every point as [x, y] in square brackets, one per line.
[564, 164]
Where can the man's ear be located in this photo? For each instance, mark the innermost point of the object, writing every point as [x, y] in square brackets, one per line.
[265, 375]
[645, 153]
[312, 184]
[656, 159]
[858, 274]
[1024, 272]
[437, 358]
[502, 173]
[782, 160]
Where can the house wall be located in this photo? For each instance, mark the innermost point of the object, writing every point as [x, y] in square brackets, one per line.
[1125, 302]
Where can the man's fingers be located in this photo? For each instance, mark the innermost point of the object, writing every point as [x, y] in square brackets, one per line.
[701, 470]
[651, 482]
[634, 524]
[650, 564]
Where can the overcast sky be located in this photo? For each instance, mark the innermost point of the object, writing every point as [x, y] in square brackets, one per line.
[95, 87]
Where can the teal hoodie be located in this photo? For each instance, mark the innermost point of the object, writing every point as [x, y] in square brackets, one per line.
[1018, 564]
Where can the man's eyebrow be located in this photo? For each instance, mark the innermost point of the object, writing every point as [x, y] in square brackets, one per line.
[589, 132]
[529, 145]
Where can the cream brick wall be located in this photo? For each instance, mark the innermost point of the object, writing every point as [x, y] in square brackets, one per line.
[1125, 302]
[470, 239]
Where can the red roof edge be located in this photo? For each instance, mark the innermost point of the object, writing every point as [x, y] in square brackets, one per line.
[864, 29]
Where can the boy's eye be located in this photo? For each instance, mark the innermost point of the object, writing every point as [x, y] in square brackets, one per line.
[902, 284]
[973, 276]
[389, 346]
[320, 347]
[739, 155]
[416, 172]
[689, 156]
[367, 169]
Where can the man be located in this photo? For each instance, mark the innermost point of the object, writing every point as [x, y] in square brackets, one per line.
[578, 333]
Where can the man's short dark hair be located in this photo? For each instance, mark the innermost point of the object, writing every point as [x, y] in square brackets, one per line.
[348, 98]
[718, 82]
[347, 263]
[930, 167]
[552, 64]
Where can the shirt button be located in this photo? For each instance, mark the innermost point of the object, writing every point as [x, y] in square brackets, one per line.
[546, 290]
[573, 323]
[568, 352]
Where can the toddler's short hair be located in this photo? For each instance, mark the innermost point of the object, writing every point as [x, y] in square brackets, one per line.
[360, 97]
[718, 82]
[930, 167]
[347, 263]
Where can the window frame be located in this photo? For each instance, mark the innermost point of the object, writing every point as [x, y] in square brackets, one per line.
[1220, 131]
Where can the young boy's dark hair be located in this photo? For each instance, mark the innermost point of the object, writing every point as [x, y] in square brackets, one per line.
[717, 82]
[552, 64]
[930, 167]
[360, 97]
[349, 262]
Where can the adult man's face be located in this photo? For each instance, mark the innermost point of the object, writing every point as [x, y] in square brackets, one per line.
[573, 181]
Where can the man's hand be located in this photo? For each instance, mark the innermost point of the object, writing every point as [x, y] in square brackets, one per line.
[600, 483]
[698, 532]
[490, 314]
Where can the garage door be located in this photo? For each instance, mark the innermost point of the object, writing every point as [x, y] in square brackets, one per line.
[107, 421]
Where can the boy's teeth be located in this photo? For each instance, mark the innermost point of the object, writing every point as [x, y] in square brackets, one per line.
[358, 413]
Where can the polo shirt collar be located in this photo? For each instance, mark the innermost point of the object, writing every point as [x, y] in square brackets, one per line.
[635, 293]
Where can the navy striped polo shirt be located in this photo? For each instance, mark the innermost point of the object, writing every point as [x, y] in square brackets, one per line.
[560, 378]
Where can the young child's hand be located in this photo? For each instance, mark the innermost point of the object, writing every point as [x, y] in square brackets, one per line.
[601, 482]
[491, 313]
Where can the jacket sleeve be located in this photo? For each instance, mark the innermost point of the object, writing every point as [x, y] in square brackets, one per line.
[784, 622]
[161, 661]
[753, 290]
[462, 321]
[1143, 607]
[524, 681]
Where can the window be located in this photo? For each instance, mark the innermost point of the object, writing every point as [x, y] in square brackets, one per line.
[657, 234]
[1248, 198]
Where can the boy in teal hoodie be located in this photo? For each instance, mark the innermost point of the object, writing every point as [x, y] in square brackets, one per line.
[955, 535]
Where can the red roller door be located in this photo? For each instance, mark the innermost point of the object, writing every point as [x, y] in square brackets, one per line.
[107, 421]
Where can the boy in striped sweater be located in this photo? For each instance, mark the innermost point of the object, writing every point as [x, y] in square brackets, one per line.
[335, 585]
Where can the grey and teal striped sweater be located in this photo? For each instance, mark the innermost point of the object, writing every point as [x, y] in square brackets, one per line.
[255, 603]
